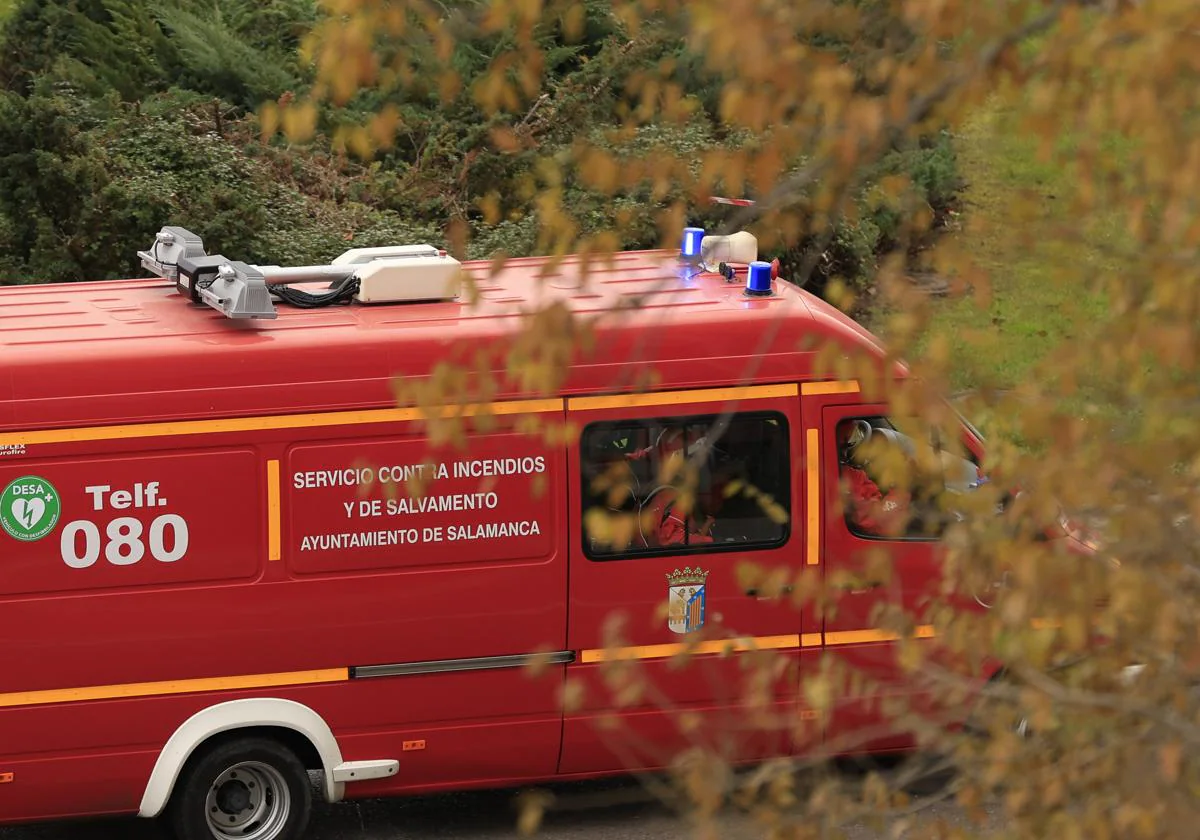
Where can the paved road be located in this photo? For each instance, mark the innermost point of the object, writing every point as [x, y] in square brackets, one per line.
[619, 810]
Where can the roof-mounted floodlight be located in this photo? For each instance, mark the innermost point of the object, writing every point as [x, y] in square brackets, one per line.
[365, 275]
[239, 291]
[171, 244]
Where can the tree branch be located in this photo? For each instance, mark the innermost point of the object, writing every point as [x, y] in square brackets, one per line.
[919, 110]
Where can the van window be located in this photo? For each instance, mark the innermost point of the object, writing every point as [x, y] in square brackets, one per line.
[896, 481]
[641, 477]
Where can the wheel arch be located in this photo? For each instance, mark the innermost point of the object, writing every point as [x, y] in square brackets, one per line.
[293, 723]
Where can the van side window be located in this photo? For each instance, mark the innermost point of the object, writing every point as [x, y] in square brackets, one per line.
[889, 489]
[685, 485]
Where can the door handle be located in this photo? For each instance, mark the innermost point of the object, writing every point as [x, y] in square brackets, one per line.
[753, 591]
[860, 586]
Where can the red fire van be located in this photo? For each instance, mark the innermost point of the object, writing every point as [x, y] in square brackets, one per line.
[213, 577]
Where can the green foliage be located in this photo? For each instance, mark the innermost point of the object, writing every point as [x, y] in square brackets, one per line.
[124, 115]
[236, 50]
[852, 249]
[85, 185]
[231, 54]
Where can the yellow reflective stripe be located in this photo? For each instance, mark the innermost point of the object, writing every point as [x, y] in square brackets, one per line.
[712, 646]
[858, 637]
[395, 415]
[642, 400]
[386, 415]
[150, 689]
[331, 675]
[816, 389]
[273, 515]
[812, 471]
[270, 422]
[838, 637]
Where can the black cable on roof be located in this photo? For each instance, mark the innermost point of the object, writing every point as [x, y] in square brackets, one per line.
[343, 292]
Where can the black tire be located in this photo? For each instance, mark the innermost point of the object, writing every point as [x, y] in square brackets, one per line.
[259, 791]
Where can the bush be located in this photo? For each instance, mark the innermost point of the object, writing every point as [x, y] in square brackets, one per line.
[855, 248]
[122, 115]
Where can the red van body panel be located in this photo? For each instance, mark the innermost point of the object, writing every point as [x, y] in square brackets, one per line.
[230, 519]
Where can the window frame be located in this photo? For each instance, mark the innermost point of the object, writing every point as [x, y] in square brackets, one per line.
[786, 500]
[854, 532]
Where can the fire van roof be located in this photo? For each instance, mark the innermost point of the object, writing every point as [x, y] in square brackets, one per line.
[129, 351]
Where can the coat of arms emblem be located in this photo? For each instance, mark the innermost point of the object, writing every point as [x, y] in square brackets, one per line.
[685, 600]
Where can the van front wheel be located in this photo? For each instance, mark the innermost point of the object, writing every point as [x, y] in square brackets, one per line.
[245, 789]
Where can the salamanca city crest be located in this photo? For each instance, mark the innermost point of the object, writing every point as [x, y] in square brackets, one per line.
[686, 592]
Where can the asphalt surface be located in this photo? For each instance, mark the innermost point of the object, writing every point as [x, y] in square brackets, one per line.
[611, 810]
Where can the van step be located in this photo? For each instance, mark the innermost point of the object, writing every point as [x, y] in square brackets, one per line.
[361, 771]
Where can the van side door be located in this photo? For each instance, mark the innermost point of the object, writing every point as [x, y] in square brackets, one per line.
[672, 581]
[867, 569]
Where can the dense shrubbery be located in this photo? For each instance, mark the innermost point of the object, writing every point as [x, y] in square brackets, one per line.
[119, 116]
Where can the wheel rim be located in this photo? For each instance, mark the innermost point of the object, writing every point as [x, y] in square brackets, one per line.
[249, 801]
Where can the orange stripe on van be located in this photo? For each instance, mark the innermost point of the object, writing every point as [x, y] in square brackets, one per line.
[150, 689]
[331, 675]
[386, 415]
[816, 389]
[712, 646]
[273, 515]
[268, 422]
[860, 637]
[807, 640]
[812, 472]
[751, 392]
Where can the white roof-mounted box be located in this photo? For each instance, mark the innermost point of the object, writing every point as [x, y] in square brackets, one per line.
[414, 278]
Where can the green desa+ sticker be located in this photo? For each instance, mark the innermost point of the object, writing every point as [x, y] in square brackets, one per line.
[29, 508]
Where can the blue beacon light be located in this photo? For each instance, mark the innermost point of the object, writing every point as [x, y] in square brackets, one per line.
[692, 236]
[758, 279]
